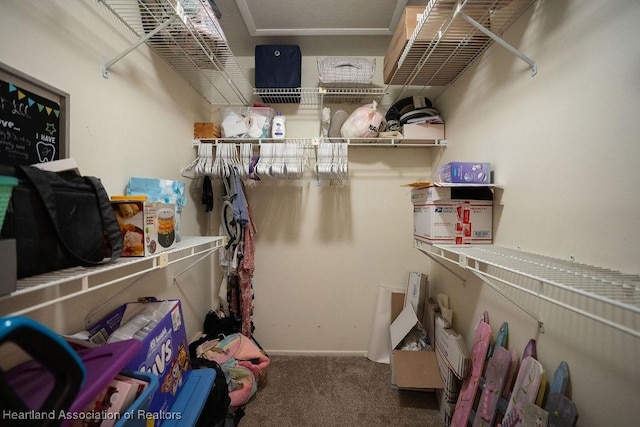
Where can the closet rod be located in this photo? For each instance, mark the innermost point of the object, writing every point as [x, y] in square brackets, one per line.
[498, 39]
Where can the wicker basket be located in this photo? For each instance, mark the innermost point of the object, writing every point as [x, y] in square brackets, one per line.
[346, 70]
[6, 188]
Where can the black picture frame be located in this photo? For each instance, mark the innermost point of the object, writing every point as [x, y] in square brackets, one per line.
[30, 110]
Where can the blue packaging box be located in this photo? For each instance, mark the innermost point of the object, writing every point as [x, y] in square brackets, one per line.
[465, 172]
[164, 352]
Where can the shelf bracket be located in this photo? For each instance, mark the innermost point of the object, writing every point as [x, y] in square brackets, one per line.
[438, 259]
[141, 40]
[206, 253]
[487, 279]
[498, 39]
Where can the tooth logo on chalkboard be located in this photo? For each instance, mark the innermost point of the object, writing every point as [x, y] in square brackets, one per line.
[46, 151]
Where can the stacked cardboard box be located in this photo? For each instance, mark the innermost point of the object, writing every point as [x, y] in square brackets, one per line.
[453, 360]
[404, 31]
[453, 214]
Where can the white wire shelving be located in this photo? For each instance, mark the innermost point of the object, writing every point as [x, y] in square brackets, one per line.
[606, 296]
[448, 38]
[319, 96]
[314, 142]
[451, 35]
[187, 36]
[42, 290]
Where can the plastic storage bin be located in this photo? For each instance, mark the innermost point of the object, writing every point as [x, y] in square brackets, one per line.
[246, 122]
[141, 403]
[6, 188]
[33, 382]
[192, 398]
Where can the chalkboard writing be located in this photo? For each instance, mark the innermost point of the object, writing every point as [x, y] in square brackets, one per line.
[29, 126]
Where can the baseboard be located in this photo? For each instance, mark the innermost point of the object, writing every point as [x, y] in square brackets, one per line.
[345, 353]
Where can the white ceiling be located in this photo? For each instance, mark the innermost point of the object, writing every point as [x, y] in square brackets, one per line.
[319, 27]
[320, 17]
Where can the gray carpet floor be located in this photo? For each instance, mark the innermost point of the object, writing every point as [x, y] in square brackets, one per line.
[335, 391]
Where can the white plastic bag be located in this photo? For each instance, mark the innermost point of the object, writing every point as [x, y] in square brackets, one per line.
[364, 122]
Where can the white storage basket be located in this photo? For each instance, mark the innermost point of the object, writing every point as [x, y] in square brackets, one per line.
[346, 71]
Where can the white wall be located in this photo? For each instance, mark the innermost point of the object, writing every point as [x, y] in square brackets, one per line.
[138, 122]
[322, 251]
[564, 145]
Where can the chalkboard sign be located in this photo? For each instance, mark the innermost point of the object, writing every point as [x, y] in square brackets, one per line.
[32, 125]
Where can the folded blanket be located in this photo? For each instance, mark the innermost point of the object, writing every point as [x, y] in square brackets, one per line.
[235, 350]
[242, 385]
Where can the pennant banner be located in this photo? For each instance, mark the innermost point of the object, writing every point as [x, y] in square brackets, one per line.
[29, 126]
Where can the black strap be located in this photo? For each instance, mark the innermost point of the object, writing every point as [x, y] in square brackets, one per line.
[109, 223]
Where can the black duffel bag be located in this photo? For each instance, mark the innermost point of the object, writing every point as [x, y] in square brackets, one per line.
[59, 220]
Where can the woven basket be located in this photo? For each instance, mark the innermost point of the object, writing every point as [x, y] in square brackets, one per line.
[6, 188]
[346, 70]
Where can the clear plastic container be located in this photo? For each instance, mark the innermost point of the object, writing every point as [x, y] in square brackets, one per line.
[6, 188]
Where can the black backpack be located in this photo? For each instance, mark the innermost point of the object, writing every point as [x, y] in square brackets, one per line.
[214, 413]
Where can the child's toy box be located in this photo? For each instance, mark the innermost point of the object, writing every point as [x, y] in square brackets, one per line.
[160, 328]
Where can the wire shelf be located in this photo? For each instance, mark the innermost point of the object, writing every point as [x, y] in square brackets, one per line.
[188, 37]
[71, 282]
[320, 95]
[444, 45]
[504, 265]
[313, 142]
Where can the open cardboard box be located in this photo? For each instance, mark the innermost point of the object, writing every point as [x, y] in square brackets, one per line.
[410, 370]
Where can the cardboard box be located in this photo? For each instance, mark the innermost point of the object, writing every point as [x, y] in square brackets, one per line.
[410, 370]
[451, 346]
[456, 222]
[206, 131]
[164, 346]
[147, 227]
[404, 30]
[423, 131]
[453, 215]
[433, 194]
[416, 293]
[465, 173]
[440, 13]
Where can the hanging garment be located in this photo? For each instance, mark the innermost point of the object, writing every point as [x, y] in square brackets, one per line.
[245, 273]
[238, 199]
[207, 194]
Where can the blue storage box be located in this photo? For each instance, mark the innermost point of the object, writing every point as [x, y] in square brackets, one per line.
[136, 415]
[465, 172]
[188, 406]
